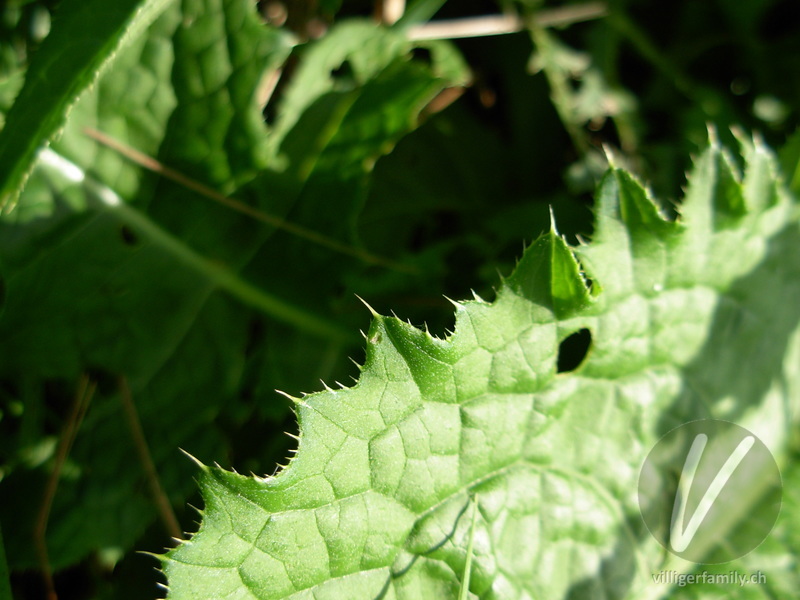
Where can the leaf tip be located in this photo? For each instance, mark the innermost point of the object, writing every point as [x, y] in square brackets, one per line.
[455, 303]
[553, 228]
[549, 274]
[194, 460]
[477, 297]
[713, 136]
[294, 399]
[611, 157]
[372, 311]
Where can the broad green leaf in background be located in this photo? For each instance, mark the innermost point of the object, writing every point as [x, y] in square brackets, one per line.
[112, 271]
[689, 319]
[66, 64]
[366, 95]
[94, 284]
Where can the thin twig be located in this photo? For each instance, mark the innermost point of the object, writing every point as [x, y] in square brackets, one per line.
[156, 166]
[145, 458]
[390, 11]
[83, 396]
[567, 15]
[504, 24]
[441, 101]
[268, 86]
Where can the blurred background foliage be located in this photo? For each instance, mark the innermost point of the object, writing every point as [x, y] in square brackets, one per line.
[518, 124]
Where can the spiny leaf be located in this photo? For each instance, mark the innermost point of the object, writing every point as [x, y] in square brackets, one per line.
[550, 276]
[373, 503]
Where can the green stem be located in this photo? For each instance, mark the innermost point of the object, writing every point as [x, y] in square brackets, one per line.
[229, 281]
[560, 91]
[221, 277]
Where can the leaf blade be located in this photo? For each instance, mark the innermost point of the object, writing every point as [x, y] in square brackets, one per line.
[66, 64]
[483, 412]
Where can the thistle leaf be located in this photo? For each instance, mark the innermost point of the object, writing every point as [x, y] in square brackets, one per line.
[689, 318]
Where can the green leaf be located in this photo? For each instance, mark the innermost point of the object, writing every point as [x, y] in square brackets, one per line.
[128, 293]
[94, 319]
[790, 161]
[375, 503]
[549, 276]
[145, 279]
[65, 65]
[362, 92]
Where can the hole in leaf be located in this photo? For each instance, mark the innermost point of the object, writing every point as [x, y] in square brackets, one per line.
[128, 236]
[573, 350]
